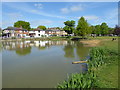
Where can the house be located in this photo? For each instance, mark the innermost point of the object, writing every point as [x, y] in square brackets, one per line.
[22, 33]
[37, 33]
[55, 32]
[9, 32]
[49, 32]
[15, 32]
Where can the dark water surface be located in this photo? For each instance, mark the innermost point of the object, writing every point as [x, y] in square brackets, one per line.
[40, 64]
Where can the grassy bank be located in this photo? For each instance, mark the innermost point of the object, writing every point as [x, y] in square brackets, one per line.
[108, 74]
[57, 38]
[102, 68]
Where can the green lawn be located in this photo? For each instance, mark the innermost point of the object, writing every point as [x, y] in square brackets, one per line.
[108, 74]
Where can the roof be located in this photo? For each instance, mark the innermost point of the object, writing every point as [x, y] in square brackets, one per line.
[52, 30]
[14, 28]
[48, 30]
[10, 28]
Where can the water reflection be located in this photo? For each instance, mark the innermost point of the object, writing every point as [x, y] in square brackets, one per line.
[81, 51]
[23, 51]
[70, 48]
[40, 64]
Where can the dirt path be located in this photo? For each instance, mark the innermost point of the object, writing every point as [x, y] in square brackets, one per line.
[90, 43]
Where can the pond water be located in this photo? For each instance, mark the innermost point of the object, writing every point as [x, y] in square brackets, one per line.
[40, 64]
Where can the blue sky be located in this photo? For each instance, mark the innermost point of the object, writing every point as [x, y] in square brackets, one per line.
[53, 14]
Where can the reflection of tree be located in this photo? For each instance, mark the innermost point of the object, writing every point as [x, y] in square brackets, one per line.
[69, 51]
[81, 51]
[23, 51]
[42, 48]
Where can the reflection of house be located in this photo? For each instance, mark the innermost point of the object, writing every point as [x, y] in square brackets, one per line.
[14, 45]
[40, 43]
[37, 33]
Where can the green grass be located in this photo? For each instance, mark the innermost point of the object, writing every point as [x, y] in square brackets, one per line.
[108, 74]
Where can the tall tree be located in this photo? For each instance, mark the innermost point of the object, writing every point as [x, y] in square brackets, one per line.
[104, 28]
[97, 30]
[23, 24]
[42, 27]
[82, 27]
[69, 26]
[92, 29]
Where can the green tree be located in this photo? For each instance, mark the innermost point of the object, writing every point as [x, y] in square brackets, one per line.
[110, 30]
[32, 28]
[58, 28]
[25, 25]
[42, 27]
[82, 27]
[97, 29]
[69, 26]
[92, 29]
[104, 28]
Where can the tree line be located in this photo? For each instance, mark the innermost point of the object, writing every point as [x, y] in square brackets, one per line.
[83, 28]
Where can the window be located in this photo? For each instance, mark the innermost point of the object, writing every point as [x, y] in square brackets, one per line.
[38, 34]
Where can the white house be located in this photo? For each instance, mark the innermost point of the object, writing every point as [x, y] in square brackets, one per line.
[37, 33]
[9, 32]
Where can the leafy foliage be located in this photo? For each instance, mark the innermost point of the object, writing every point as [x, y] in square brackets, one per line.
[83, 80]
[42, 27]
[23, 24]
[82, 27]
[69, 26]
[104, 28]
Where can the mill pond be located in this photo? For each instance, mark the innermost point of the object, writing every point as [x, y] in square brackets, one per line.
[40, 64]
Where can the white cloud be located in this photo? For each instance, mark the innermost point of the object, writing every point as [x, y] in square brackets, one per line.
[26, 8]
[76, 8]
[91, 17]
[38, 5]
[45, 14]
[71, 9]
[65, 10]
